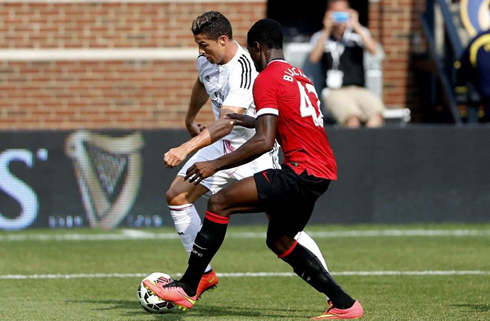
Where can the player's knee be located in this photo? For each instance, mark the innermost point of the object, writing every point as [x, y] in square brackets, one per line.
[279, 245]
[175, 198]
[217, 205]
[274, 244]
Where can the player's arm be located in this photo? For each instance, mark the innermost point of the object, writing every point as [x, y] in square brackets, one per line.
[260, 143]
[208, 135]
[242, 120]
[237, 101]
[199, 97]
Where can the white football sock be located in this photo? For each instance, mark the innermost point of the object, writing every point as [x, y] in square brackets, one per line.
[187, 223]
[306, 241]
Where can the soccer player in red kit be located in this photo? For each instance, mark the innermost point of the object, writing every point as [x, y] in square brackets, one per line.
[287, 109]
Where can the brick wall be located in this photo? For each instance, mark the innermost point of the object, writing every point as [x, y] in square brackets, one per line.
[125, 24]
[71, 93]
[91, 94]
[396, 25]
[68, 93]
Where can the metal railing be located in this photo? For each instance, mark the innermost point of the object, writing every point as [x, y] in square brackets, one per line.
[444, 66]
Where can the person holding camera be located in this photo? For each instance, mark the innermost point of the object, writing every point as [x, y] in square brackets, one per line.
[339, 48]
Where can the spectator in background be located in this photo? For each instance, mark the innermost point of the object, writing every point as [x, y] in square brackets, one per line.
[474, 68]
[340, 46]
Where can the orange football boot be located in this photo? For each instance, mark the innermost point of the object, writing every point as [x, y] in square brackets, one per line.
[172, 293]
[208, 281]
[354, 312]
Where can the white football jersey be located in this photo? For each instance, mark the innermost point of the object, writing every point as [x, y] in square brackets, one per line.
[230, 85]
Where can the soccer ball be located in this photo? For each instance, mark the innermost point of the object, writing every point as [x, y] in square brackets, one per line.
[149, 301]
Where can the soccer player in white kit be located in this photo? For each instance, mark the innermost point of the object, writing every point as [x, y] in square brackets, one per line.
[226, 75]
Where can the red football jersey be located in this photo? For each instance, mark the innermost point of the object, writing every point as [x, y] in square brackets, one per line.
[284, 90]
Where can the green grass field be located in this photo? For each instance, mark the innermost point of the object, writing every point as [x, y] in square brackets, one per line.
[409, 272]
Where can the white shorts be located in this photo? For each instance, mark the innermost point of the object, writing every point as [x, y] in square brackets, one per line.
[222, 178]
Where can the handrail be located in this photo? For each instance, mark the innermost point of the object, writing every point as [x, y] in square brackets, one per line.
[450, 28]
[446, 87]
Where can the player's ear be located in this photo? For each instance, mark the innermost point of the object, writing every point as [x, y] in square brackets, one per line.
[222, 40]
[256, 46]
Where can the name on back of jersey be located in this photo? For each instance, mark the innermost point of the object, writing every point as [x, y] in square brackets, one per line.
[291, 72]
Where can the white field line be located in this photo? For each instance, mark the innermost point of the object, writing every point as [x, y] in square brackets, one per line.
[239, 275]
[142, 235]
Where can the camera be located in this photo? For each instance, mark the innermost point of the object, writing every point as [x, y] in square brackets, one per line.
[340, 16]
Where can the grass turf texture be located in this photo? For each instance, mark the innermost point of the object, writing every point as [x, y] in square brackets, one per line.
[401, 297]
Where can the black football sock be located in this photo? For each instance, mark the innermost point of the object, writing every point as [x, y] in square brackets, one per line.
[207, 243]
[309, 268]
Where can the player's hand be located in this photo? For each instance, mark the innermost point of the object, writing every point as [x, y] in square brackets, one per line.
[174, 157]
[242, 120]
[199, 171]
[195, 128]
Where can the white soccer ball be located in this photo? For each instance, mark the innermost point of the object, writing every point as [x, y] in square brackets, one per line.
[149, 301]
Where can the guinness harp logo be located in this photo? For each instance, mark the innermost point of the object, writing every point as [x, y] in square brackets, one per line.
[108, 170]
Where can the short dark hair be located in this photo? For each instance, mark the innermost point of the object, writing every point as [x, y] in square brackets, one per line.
[212, 24]
[330, 2]
[267, 32]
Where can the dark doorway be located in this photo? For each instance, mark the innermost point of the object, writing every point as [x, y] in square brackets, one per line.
[300, 19]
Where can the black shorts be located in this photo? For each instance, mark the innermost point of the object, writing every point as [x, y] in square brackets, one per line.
[288, 198]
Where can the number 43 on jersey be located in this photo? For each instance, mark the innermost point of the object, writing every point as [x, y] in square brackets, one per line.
[307, 108]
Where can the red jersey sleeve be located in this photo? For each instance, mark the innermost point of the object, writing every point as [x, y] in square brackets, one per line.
[266, 92]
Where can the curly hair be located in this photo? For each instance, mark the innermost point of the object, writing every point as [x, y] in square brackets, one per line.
[267, 32]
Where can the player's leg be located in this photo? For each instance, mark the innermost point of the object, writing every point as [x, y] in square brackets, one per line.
[289, 199]
[180, 199]
[307, 266]
[240, 196]
[265, 162]
[273, 189]
[182, 195]
[304, 239]
[304, 263]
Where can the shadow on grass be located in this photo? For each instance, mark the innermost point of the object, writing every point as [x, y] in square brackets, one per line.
[111, 304]
[209, 311]
[132, 308]
[128, 308]
[475, 307]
